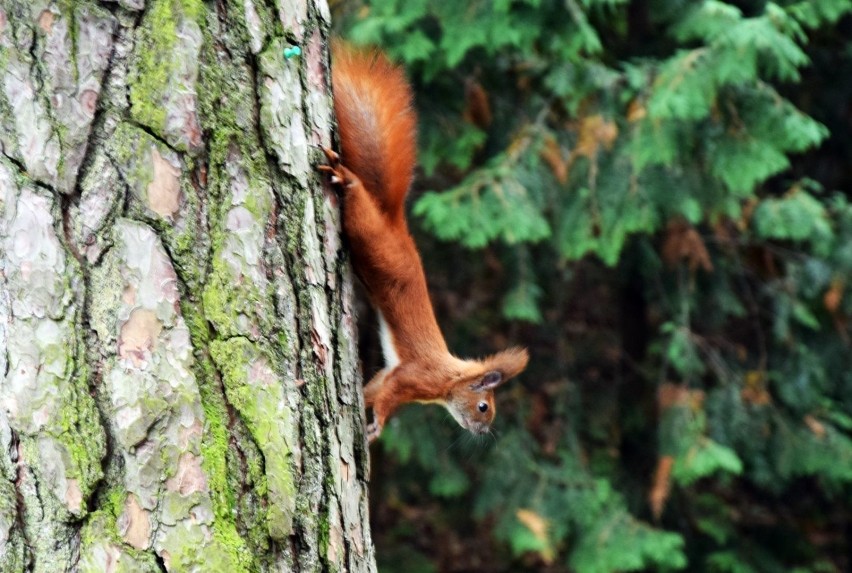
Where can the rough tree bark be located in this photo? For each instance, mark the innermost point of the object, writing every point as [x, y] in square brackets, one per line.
[179, 376]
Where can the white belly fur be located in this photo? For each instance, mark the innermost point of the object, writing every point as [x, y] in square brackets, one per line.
[388, 349]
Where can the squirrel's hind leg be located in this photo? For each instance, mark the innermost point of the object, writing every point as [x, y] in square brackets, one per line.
[376, 393]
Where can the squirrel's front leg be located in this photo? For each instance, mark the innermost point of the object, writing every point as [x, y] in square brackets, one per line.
[374, 386]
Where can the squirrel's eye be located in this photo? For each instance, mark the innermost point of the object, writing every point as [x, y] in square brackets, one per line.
[483, 406]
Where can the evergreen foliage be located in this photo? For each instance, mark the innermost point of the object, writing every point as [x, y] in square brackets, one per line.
[650, 196]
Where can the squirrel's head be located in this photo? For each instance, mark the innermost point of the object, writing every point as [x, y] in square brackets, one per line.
[471, 401]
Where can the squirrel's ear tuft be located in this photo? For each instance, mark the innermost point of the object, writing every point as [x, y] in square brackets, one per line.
[488, 382]
[510, 362]
[501, 367]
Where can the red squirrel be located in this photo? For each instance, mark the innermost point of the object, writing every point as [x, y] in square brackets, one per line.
[377, 125]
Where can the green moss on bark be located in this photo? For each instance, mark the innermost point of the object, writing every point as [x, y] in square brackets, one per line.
[14, 555]
[157, 69]
[78, 424]
[80, 432]
[256, 391]
[153, 66]
[215, 446]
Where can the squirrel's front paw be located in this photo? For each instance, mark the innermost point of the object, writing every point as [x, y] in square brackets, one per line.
[374, 430]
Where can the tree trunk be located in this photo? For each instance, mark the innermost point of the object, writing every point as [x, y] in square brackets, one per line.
[179, 375]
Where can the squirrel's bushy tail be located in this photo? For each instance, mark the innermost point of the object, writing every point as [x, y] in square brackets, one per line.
[378, 125]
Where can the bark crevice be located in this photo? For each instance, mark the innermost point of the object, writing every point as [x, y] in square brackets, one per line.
[20, 502]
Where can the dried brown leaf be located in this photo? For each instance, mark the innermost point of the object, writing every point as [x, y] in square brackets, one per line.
[538, 527]
[551, 153]
[595, 132]
[833, 296]
[755, 388]
[636, 111]
[477, 107]
[815, 426]
[683, 243]
[661, 486]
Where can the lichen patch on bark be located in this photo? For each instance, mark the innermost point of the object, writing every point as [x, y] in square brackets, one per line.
[151, 385]
[60, 442]
[236, 298]
[52, 84]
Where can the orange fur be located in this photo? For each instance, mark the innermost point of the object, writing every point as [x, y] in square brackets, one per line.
[373, 104]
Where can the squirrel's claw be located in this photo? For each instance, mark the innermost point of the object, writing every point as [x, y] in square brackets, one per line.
[332, 156]
[339, 174]
[335, 174]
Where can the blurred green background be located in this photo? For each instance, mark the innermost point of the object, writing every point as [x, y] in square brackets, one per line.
[654, 197]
